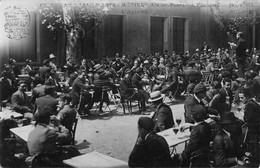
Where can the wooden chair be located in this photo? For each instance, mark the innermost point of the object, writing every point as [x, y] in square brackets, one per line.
[208, 77]
[129, 102]
[105, 90]
[73, 131]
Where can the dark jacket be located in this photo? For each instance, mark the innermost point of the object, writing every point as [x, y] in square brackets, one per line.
[77, 86]
[252, 116]
[163, 115]
[137, 81]
[67, 117]
[46, 100]
[189, 103]
[241, 50]
[198, 145]
[152, 152]
[20, 102]
[225, 149]
[126, 87]
[42, 72]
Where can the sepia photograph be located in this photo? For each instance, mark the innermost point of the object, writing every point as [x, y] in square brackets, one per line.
[129, 83]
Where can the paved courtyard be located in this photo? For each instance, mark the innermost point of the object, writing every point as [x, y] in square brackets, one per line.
[115, 133]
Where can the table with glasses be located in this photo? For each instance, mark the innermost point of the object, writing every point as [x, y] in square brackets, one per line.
[175, 139]
[95, 160]
[8, 113]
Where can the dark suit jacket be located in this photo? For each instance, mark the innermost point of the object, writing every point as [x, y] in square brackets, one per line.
[126, 87]
[189, 103]
[77, 86]
[225, 149]
[137, 81]
[42, 72]
[199, 141]
[67, 117]
[37, 92]
[153, 152]
[228, 93]
[241, 50]
[252, 116]
[46, 100]
[163, 115]
[20, 102]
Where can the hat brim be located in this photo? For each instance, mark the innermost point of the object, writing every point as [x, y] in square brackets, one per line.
[152, 100]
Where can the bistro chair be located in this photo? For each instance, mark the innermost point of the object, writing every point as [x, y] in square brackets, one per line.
[128, 102]
[73, 131]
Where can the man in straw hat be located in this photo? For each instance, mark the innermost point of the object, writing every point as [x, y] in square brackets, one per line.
[162, 117]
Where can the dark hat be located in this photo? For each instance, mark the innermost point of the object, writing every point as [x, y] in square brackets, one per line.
[200, 88]
[146, 123]
[169, 64]
[198, 112]
[139, 70]
[191, 63]
[45, 61]
[228, 118]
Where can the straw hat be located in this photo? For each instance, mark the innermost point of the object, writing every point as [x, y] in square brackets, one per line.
[154, 96]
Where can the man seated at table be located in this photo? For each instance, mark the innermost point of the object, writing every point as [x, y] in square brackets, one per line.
[80, 93]
[171, 79]
[102, 85]
[197, 150]
[20, 101]
[150, 150]
[139, 83]
[129, 92]
[37, 92]
[43, 139]
[47, 100]
[67, 114]
[197, 99]
[227, 141]
[162, 117]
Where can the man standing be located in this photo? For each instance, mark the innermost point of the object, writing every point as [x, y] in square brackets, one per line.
[240, 48]
[162, 117]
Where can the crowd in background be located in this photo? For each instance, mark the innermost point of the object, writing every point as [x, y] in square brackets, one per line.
[79, 86]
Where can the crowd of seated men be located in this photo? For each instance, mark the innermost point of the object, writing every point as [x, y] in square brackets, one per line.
[174, 75]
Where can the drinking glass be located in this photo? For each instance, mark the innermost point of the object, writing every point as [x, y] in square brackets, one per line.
[175, 129]
[178, 120]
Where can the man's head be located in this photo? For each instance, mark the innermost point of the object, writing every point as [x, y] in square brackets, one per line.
[81, 73]
[145, 125]
[128, 73]
[22, 86]
[43, 115]
[156, 98]
[64, 99]
[155, 62]
[200, 90]
[239, 35]
[227, 83]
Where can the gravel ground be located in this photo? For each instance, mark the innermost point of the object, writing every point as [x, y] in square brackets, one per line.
[113, 134]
